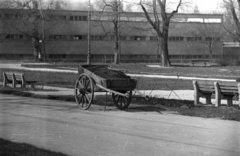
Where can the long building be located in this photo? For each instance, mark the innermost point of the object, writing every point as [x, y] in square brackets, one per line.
[66, 36]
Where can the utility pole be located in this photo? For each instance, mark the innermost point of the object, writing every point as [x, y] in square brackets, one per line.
[89, 35]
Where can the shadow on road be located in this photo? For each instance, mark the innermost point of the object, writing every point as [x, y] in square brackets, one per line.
[145, 109]
[132, 108]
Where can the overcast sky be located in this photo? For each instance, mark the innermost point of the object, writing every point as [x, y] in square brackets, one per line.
[207, 6]
[204, 6]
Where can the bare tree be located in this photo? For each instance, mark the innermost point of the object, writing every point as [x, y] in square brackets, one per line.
[129, 7]
[58, 4]
[3, 36]
[161, 24]
[208, 34]
[35, 22]
[115, 9]
[232, 25]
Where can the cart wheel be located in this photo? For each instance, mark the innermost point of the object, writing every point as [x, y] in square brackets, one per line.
[122, 102]
[84, 91]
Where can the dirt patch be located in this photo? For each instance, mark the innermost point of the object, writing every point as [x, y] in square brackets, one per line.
[105, 72]
[181, 107]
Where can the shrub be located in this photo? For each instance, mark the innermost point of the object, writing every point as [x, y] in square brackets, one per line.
[227, 60]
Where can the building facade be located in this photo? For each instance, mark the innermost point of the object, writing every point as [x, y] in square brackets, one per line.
[66, 36]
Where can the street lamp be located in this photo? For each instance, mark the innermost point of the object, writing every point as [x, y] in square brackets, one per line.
[89, 36]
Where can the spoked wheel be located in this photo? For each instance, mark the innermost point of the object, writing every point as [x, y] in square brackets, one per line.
[122, 102]
[84, 91]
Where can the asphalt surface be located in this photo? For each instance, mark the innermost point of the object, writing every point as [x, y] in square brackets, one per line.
[61, 126]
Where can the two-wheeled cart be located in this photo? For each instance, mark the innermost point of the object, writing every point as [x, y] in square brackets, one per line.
[100, 78]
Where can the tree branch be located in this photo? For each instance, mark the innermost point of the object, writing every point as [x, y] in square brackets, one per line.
[153, 24]
[175, 11]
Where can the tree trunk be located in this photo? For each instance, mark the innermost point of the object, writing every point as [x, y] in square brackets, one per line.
[164, 48]
[44, 57]
[35, 33]
[36, 48]
[165, 58]
[116, 53]
[210, 54]
[158, 56]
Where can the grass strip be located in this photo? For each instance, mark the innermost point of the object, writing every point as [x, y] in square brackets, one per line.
[9, 148]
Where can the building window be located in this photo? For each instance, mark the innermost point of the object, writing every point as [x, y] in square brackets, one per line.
[112, 37]
[63, 55]
[10, 36]
[175, 56]
[138, 38]
[123, 38]
[20, 36]
[58, 17]
[78, 18]
[180, 38]
[94, 37]
[78, 37]
[17, 36]
[84, 18]
[57, 37]
[64, 17]
[175, 38]
[57, 56]
[212, 38]
[14, 36]
[194, 38]
[8, 16]
[218, 38]
[106, 38]
[153, 38]
[208, 38]
[97, 37]
[18, 16]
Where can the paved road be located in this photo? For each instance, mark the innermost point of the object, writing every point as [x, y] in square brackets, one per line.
[60, 126]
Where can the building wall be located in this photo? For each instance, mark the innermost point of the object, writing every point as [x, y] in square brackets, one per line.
[66, 37]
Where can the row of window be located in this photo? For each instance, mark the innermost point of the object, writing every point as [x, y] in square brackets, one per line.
[111, 38]
[12, 36]
[54, 17]
[193, 56]
[201, 39]
[107, 56]
[12, 16]
[131, 38]
[78, 18]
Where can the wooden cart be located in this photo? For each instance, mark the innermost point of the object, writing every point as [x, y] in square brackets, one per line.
[99, 78]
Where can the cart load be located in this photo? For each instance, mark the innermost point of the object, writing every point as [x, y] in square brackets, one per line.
[100, 78]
